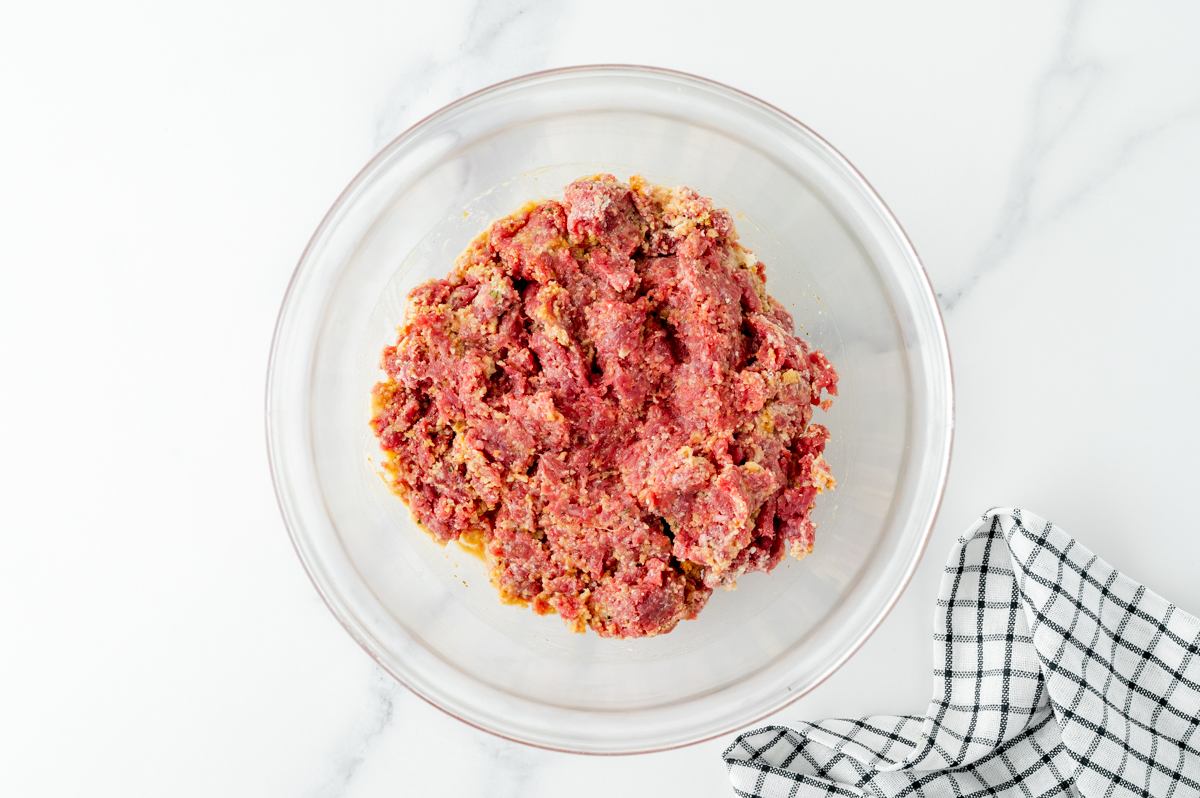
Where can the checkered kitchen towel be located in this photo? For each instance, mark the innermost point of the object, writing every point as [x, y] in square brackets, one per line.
[1055, 676]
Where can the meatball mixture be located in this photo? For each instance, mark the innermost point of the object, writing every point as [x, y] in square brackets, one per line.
[604, 396]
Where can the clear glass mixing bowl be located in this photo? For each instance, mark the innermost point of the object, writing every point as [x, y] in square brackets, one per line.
[834, 255]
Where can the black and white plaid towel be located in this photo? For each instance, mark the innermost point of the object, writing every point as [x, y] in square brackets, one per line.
[1054, 676]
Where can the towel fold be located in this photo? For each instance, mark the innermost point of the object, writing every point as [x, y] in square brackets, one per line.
[1054, 676]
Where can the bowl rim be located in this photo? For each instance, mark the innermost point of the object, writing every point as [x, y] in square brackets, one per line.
[942, 342]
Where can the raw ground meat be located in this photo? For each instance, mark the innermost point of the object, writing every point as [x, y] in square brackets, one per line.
[603, 393]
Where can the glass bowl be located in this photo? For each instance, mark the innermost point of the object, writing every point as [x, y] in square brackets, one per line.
[835, 257]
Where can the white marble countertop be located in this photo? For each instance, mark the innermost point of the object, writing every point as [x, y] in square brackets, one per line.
[163, 167]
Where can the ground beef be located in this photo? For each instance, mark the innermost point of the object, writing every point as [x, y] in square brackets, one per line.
[603, 395]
